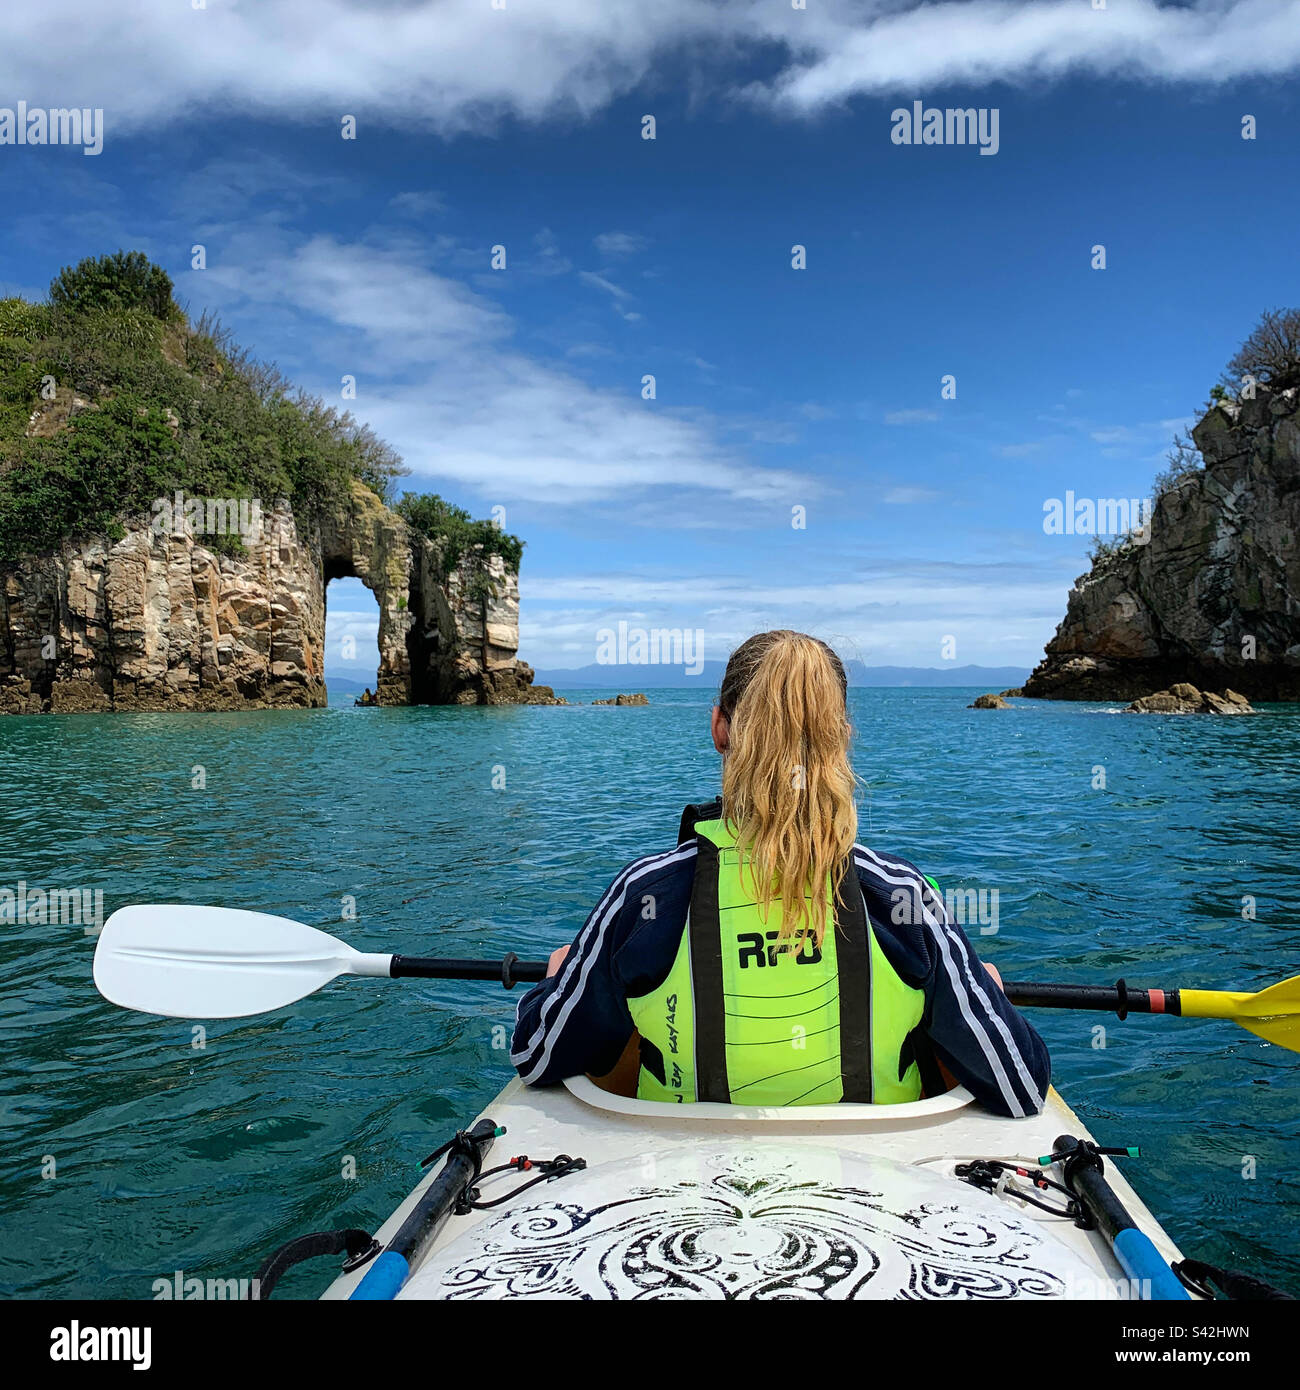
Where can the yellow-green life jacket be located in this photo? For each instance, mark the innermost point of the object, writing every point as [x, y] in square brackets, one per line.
[750, 1018]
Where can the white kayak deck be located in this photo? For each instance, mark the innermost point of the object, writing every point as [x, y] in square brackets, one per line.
[661, 1144]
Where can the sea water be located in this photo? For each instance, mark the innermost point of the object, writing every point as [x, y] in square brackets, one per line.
[1161, 849]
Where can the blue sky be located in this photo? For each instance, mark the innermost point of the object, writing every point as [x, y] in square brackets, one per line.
[776, 388]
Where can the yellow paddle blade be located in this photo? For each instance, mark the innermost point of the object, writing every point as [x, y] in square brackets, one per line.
[1273, 1014]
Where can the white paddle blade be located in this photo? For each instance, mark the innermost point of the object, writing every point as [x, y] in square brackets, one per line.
[216, 962]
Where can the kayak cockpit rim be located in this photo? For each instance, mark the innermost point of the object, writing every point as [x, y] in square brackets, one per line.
[703, 1112]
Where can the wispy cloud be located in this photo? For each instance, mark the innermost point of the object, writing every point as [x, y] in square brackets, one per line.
[549, 260]
[884, 48]
[910, 417]
[589, 277]
[904, 496]
[895, 613]
[439, 377]
[617, 293]
[424, 203]
[615, 244]
[454, 65]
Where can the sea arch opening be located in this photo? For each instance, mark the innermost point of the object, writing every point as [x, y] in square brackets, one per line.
[352, 657]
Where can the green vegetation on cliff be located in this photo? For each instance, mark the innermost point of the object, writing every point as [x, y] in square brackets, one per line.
[457, 533]
[110, 399]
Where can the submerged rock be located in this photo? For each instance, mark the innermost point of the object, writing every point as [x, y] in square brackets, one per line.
[1182, 698]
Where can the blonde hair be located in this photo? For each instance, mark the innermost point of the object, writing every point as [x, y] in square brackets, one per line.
[787, 783]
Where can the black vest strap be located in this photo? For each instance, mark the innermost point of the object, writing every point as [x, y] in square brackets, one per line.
[697, 811]
[853, 958]
[706, 979]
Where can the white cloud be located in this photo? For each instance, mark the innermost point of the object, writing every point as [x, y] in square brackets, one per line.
[425, 203]
[910, 417]
[617, 293]
[438, 378]
[453, 65]
[896, 614]
[886, 48]
[613, 244]
[384, 291]
[589, 277]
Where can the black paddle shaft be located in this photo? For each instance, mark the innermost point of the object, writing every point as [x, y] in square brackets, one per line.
[1117, 998]
[508, 971]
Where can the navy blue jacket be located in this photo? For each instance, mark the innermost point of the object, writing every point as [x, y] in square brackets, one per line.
[578, 1020]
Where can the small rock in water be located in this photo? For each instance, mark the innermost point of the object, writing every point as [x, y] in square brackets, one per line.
[989, 702]
[1183, 698]
[637, 699]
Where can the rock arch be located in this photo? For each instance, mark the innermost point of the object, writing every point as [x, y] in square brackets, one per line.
[159, 621]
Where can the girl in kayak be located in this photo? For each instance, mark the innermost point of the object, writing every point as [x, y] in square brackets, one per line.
[770, 959]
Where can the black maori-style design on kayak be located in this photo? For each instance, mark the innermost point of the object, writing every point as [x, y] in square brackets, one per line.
[747, 1230]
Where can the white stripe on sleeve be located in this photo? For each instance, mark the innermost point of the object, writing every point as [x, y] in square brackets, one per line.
[950, 944]
[578, 964]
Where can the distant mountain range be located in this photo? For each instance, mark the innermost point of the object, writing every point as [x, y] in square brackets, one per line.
[338, 684]
[630, 678]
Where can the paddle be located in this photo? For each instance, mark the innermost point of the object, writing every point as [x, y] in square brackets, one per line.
[216, 962]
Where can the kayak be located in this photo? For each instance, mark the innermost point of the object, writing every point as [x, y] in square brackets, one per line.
[623, 1198]
[629, 1199]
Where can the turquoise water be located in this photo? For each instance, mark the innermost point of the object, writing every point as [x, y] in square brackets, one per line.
[171, 1157]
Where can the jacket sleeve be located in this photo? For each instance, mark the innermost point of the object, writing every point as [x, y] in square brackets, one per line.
[978, 1034]
[975, 1031]
[577, 1021]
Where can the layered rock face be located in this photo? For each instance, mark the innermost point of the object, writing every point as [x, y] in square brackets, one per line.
[1213, 599]
[157, 621]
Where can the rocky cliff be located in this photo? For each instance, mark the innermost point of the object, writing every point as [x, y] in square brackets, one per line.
[1213, 598]
[157, 621]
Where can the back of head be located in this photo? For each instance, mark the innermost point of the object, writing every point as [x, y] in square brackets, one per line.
[787, 784]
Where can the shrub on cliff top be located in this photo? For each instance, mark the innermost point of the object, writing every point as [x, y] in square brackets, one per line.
[105, 406]
[1271, 354]
[121, 282]
[457, 532]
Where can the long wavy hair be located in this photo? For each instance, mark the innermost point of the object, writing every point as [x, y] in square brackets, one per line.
[787, 783]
